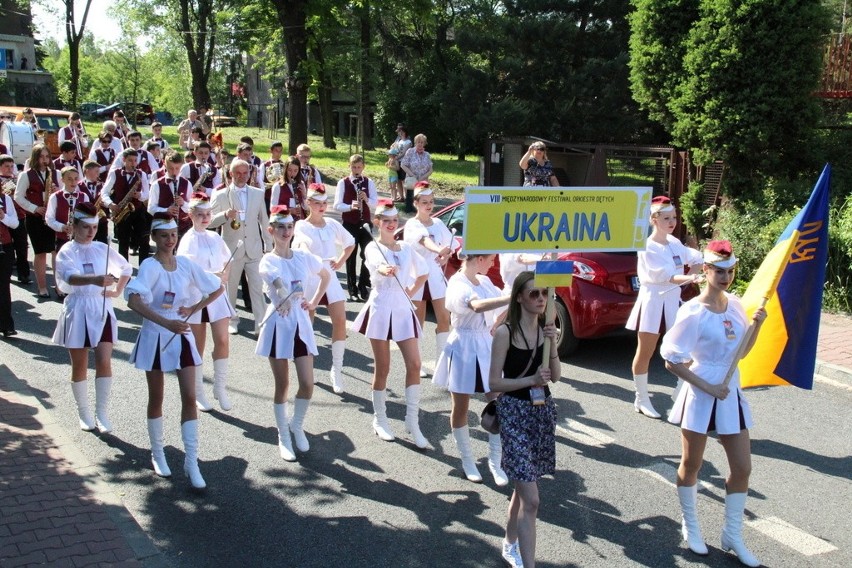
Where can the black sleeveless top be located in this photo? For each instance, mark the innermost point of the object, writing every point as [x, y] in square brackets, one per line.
[517, 359]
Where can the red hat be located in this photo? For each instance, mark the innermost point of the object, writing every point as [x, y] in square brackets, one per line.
[661, 203]
[719, 253]
[200, 200]
[316, 191]
[280, 214]
[386, 208]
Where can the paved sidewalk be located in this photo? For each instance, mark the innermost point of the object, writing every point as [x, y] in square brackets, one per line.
[834, 348]
[54, 509]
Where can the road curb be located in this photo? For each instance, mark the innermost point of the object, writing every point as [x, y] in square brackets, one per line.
[834, 372]
[137, 539]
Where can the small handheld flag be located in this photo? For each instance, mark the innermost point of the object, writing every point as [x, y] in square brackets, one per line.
[553, 273]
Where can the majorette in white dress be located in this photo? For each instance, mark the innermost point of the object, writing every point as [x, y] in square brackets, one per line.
[469, 343]
[415, 231]
[323, 242]
[658, 297]
[164, 292]
[293, 273]
[387, 314]
[209, 251]
[710, 341]
[82, 310]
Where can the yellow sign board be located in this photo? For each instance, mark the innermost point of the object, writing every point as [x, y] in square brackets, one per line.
[555, 219]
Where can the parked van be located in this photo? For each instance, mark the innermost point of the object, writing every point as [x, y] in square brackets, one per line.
[49, 122]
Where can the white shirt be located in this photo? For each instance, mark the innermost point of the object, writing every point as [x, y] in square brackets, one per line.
[110, 182]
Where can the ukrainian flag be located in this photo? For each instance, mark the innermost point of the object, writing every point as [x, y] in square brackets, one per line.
[553, 273]
[785, 350]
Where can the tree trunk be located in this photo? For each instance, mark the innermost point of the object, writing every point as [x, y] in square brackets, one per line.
[325, 90]
[199, 44]
[364, 122]
[74, 64]
[293, 17]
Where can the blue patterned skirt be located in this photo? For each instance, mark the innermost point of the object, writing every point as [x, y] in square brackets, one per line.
[528, 435]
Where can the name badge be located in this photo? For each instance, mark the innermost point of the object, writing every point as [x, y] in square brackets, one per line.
[88, 268]
[678, 262]
[296, 288]
[168, 300]
[729, 329]
[537, 396]
[292, 202]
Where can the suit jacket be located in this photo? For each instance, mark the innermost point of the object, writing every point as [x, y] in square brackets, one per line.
[252, 231]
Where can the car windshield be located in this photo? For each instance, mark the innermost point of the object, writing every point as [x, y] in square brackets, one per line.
[454, 219]
[49, 123]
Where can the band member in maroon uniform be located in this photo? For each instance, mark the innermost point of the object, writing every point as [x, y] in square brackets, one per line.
[121, 127]
[157, 131]
[201, 168]
[91, 186]
[144, 160]
[156, 152]
[61, 205]
[68, 158]
[137, 221]
[290, 191]
[8, 223]
[75, 132]
[171, 193]
[272, 170]
[19, 232]
[30, 195]
[354, 198]
[104, 154]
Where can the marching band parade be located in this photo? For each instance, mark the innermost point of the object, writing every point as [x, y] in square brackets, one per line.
[200, 225]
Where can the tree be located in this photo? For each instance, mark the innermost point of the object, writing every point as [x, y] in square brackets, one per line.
[293, 17]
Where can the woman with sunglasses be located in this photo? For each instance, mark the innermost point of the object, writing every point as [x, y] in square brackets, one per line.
[526, 410]
[287, 332]
[323, 238]
[538, 171]
[397, 272]
[660, 268]
[464, 363]
[86, 271]
[699, 349]
[164, 293]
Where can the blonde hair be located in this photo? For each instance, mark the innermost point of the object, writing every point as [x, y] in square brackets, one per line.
[303, 148]
[420, 137]
[356, 158]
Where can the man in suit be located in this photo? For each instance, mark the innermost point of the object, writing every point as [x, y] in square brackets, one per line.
[239, 201]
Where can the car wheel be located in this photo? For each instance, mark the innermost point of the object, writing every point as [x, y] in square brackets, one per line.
[566, 342]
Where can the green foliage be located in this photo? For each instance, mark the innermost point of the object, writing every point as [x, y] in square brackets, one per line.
[754, 226]
[739, 86]
[691, 211]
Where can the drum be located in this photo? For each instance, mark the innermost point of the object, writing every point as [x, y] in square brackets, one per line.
[18, 137]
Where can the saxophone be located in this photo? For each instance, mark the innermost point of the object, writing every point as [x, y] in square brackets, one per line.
[48, 186]
[201, 179]
[125, 206]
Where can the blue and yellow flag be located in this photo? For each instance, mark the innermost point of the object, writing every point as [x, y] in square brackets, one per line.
[785, 350]
[553, 273]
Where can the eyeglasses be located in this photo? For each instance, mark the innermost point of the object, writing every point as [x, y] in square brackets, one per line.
[536, 293]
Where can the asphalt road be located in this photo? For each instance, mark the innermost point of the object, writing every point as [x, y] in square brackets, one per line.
[354, 500]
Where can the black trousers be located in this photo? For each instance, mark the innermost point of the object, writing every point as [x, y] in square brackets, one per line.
[102, 236]
[137, 224]
[21, 250]
[6, 255]
[362, 238]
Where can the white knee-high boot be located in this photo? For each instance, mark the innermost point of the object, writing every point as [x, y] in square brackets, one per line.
[220, 383]
[103, 386]
[440, 343]
[643, 400]
[412, 416]
[201, 402]
[689, 526]
[285, 444]
[158, 456]
[495, 457]
[462, 438]
[81, 397]
[189, 433]
[380, 417]
[300, 409]
[338, 348]
[732, 534]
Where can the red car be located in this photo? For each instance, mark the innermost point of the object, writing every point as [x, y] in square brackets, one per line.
[599, 300]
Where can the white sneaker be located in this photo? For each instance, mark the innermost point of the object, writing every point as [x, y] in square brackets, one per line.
[512, 555]
[232, 329]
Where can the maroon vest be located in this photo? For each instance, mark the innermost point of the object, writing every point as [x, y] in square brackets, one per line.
[35, 192]
[292, 191]
[63, 209]
[5, 235]
[3, 149]
[104, 158]
[194, 174]
[350, 195]
[166, 198]
[142, 161]
[59, 163]
[91, 192]
[123, 185]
